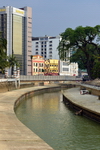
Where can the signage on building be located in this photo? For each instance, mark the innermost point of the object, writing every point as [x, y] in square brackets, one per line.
[2, 9]
[18, 12]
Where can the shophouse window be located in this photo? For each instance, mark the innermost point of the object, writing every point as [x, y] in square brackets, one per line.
[65, 69]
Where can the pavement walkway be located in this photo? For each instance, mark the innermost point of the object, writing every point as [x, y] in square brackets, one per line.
[14, 135]
[88, 101]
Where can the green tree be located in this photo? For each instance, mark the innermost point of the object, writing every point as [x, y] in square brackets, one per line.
[6, 61]
[96, 67]
[3, 54]
[12, 62]
[84, 42]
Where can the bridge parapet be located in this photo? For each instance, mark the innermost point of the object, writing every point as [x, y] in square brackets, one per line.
[49, 78]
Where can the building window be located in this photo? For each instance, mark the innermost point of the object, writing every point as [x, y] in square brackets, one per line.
[65, 69]
[50, 55]
[50, 41]
[65, 64]
[36, 64]
[50, 52]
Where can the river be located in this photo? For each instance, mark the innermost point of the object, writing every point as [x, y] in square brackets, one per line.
[48, 117]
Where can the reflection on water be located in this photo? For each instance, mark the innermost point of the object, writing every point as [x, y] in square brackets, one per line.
[49, 118]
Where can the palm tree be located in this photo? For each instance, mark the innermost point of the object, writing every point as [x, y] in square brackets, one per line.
[6, 61]
[12, 62]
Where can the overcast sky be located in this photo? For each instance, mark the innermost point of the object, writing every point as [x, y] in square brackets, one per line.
[52, 17]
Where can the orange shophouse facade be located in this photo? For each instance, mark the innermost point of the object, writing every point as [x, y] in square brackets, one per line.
[37, 65]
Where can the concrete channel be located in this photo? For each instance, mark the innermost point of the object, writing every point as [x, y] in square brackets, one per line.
[14, 135]
[87, 105]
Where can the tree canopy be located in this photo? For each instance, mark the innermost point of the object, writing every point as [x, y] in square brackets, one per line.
[5, 61]
[84, 42]
[3, 55]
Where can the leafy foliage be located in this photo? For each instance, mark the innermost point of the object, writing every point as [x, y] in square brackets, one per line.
[6, 61]
[12, 61]
[84, 42]
[3, 56]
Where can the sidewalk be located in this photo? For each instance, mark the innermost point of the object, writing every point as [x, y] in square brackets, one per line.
[87, 101]
[13, 134]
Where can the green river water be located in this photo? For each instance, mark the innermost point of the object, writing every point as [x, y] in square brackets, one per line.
[48, 117]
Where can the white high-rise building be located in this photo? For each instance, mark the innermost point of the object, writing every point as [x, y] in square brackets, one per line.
[46, 46]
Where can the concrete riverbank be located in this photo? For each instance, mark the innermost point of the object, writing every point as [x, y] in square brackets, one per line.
[88, 104]
[13, 134]
[16, 136]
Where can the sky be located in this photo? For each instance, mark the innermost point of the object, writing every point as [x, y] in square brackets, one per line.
[52, 17]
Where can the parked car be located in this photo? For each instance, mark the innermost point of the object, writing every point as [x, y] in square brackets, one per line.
[85, 78]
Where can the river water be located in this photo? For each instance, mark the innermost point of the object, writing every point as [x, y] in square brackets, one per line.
[48, 117]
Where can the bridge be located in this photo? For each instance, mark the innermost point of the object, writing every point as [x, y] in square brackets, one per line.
[34, 80]
[49, 78]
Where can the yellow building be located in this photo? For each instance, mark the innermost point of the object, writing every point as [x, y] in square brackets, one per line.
[51, 67]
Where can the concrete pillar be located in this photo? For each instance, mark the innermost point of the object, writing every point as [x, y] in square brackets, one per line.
[16, 83]
[19, 83]
[6, 73]
[14, 72]
[18, 73]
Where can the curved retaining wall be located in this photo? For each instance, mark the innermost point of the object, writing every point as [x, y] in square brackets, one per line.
[85, 112]
[85, 109]
[14, 135]
[94, 90]
[35, 92]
